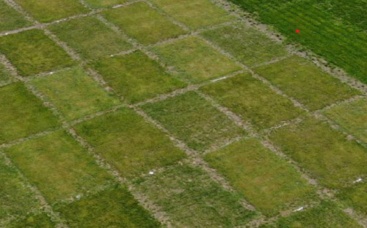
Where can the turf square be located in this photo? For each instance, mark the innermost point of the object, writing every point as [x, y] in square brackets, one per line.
[143, 23]
[104, 3]
[22, 114]
[114, 207]
[191, 13]
[129, 143]
[327, 154]
[90, 37]
[10, 19]
[136, 77]
[195, 60]
[194, 120]
[191, 199]
[266, 181]
[352, 117]
[247, 44]
[355, 196]
[252, 100]
[75, 93]
[46, 11]
[34, 220]
[305, 82]
[32, 52]
[58, 166]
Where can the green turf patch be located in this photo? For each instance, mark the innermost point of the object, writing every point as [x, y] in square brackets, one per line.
[194, 120]
[104, 3]
[58, 166]
[355, 196]
[352, 117]
[191, 199]
[46, 11]
[195, 60]
[90, 37]
[4, 75]
[10, 19]
[136, 77]
[195, 14]
[32, 52]
[247, 44]
[252, 100]
[74, 93]
[22, 114]
[114, 207]
[143, 23]
[128, 142]
[326, 153]
[33, 220]
[266, 181]
[305, 82]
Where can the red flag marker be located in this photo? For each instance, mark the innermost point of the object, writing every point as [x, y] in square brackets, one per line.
[298, 31]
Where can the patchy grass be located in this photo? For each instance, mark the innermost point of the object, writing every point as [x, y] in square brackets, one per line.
[4, 74]
[75, 93]
[252, 100]
[114, 207]
[191, 199]
[143, 23]
[192, 13]
[265, 180]
[195, 60]
[305, 82]
[22, 114]
[355, 196]
[247, 44]
[128, 142]
[32, 52]
[90, 37]
[136, 77]
[333, 160]
[58, 166]
[34, 220]
[10, 19]
[352, 117]
[194, 120]
[104, 3]
[46, 11]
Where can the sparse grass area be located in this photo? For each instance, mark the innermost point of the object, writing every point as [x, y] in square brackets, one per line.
[194, 120]
[10, 19]
[252, 100]
[355, 196]
[143, 23]
[247, 44]
[191, 199]
[22, 114]
[90, 37]
[333, 160]
[104, 3]
[136, 77]
[265, 180]
[34, 220]
[32, 52]
[305, 82]
[75, 93]
[195, 60]
[191, 13]
[128, 142]
[58, 166]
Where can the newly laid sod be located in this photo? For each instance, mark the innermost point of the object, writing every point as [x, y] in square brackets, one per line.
[191, 12]
[265, 180]
[355, 197]
[136, 77]
[194, 120]
[331, 159]
[352, 117]
[22, 114]
[191, 199]
[195, 60]
[114, 207]
[143, 23]
[305, 82]
[74, 93]
[58, 166]
[10, 19]
[248, 45]
[32, 52]
[90, 37]
[33, 220]
[252, 100]
[4, 75]
[103, 3]
[128, 142]
[46, 11]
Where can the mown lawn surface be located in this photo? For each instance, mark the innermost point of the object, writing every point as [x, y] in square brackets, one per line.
[33, 220]
[104, 3]
[4, 75]
[10, 19]
[355, 197]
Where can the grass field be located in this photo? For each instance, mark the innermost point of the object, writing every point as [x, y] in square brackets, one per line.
[173, 113]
